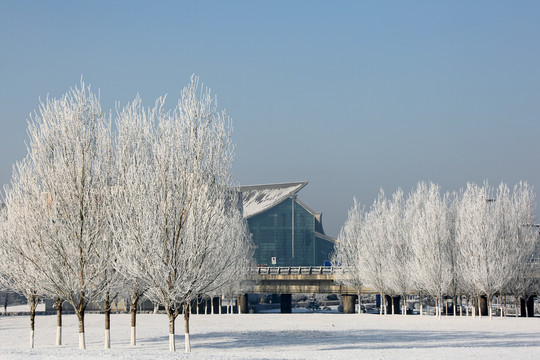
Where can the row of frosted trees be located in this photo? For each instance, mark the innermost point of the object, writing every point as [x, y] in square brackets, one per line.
[140, 206]
[478, 242]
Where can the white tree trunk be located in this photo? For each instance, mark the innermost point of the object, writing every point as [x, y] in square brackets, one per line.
[107, 339]
[172, 346]
[478, 307]
[82, 343]
[172, 317]
[133, 336]
[58, 304]
[32, 302]
[404, 306]
[187, 343]
[58, 335]
[133, 310]
[107, 344]
[186, 330]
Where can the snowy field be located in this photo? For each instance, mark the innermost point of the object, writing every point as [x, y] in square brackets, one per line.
[281, 336]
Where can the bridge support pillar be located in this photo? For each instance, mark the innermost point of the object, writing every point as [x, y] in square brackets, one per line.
[200, 306]
[388, 300]
[348, 303]
[208, 306]
[530, 306]
[286, 303]
[527, 306]
[213, 308]
[396, 300]
[243, 304]
[483, 305]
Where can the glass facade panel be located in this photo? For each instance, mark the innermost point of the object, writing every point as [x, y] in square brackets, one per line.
[324, 250]
[304, 244]
[272, 232]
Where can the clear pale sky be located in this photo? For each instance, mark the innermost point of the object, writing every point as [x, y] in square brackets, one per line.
[351, 96]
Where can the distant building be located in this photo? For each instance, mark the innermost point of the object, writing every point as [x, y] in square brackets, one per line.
[285, 231]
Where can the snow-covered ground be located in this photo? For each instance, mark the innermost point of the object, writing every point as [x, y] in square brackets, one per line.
[281, 336]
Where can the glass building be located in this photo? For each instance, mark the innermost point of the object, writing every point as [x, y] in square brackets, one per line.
[285, 231]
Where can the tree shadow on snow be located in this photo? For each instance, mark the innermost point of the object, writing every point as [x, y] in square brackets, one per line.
[359, 339]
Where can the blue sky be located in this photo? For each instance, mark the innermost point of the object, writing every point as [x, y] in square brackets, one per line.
[351, 96]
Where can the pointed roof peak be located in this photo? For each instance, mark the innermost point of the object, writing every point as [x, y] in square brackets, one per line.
[258, 198]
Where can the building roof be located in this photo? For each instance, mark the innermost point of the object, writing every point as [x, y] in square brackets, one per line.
[258, 198]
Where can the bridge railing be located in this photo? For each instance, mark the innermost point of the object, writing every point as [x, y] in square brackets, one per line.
[295, 270]
[325, 270]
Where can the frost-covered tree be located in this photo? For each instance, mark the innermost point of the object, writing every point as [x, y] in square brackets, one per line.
[479, 243]
[373, 237]
[113, 284]
[399, 255]
[456, 285]
[427, 215]
[176, 205]
[17, 269]
[475, 236]
[372, 248]
[516, 213]
[347, 255]
[28, 229]
[132, 213]
[236, 279]
[494, 236]
[68, 158]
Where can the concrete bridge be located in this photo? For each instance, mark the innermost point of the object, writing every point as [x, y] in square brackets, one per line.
[318, 280]
[302, 280]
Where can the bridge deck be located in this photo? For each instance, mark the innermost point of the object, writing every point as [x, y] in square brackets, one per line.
[301, 280]
[307, 280]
